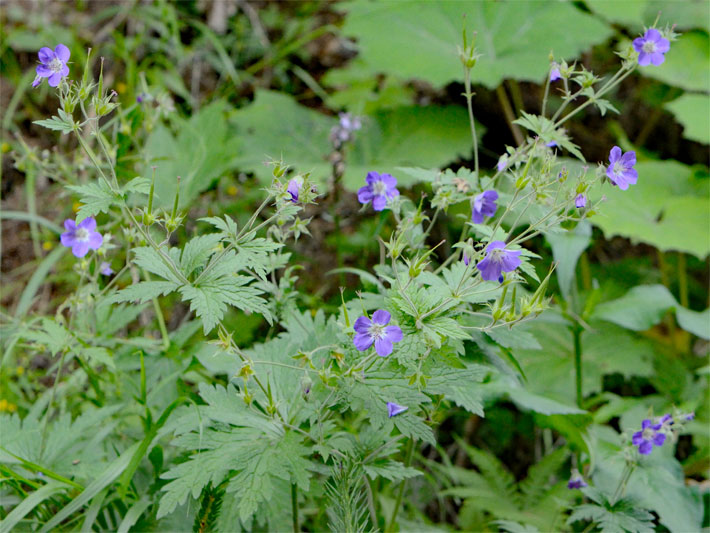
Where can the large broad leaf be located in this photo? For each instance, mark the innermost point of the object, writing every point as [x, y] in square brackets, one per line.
[668, 208]
[686, 63]
[416, 39]
[692, 111]
[644, 306]
[566, 249]
[200, 152]
[606, 349]
[685, 15]
[276, 126]
[639, 309]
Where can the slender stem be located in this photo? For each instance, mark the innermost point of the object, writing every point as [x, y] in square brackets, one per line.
[469, 105]
[544, 98]
[509, 115]
[398, 501]
[621, 487]
[294, 507]
[577, 335]
[682, 280]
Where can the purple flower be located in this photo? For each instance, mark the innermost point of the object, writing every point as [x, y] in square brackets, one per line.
[580, 200]
[647, 437]
[576, 481]
[689, 416]
[651, 47]
[81, 237]
[502, 163]
[483, 205]
[294, 187]
[377, 331]
[53, 65]
[621, 168]
[105, 268]
[555, 74]
[349, 122]
[379, 189]
[499, 259]
[551, 144]
[394, 409]
[466, 259]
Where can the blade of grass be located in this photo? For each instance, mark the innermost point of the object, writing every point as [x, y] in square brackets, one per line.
[133, 515]
[104, 480]
[38, 277]
[28, 504]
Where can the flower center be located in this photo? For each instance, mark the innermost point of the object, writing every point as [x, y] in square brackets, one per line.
[496, 254]
[56, 65]
[376, 331]
[618, 168]
[649, 47]
[648, 434]
[379, 188]
[81, 234]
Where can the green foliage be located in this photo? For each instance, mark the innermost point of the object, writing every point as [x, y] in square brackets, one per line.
[690, 110]
[347, 509]
[410, 39]
[686, 63]
[620, 517]
[535, 502]
[274, 126]
[667, 209]
[202, 150]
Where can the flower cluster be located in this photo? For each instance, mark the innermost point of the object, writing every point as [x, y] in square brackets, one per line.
[343, 131]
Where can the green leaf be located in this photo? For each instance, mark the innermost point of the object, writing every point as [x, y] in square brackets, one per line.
[149, 259]
[419, 39]
[550, 372]
[210, 299]
[461, 386]
[99, 484]
[667, 208]
[29, 503]
[144, 291]
[692, 111]
[697, 323]
[202, 150]
[197, 251]
[95, 198]
[567, 247]
[276, 126]
[639, 309]
[392, 470]
[65, 124]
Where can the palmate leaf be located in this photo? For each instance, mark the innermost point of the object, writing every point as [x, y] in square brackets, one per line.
[200, 152]
[376, 390]
[276, 126]
[197, 250]
[418, 39]
[253, 484]
[144, 291]
[668, 209]
[459, 385]
[210, 300]
[95, 198]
